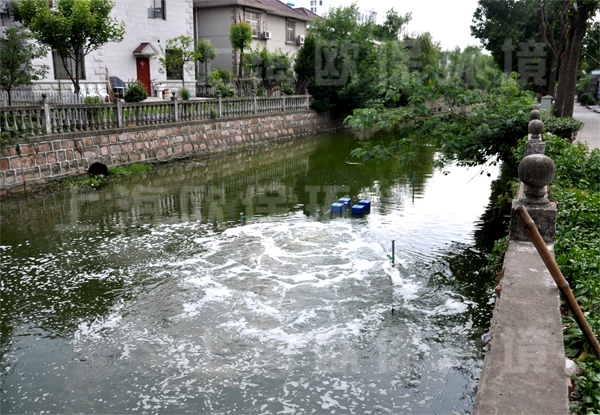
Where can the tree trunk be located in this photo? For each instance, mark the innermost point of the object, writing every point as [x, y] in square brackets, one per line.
[565, 99]
[550, 90]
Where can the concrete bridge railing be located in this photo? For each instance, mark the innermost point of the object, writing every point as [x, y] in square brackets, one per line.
[524, 369]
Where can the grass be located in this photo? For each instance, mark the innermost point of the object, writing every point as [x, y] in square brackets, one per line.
[130, 169]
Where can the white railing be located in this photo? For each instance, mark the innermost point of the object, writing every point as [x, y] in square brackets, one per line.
[47, 117]
[19, 97]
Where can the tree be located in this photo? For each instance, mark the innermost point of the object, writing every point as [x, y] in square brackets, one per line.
[496, 23]
[272, 68]
[391, 27]
[477, 70]
[74, 29]
[16, 54]
[578, 15]
[179, 54]
[555, 47]
[240, 37]
[345, 74]
[208, 51]
[590, 49]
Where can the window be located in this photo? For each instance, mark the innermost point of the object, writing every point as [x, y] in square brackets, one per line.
[320, 2]
[313, 9]
[60, 71]
[313, 2]
[254, 20]
[174, 71]
[156, 9]
[291, 31]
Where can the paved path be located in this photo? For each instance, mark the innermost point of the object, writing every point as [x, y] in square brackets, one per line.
[591, 131]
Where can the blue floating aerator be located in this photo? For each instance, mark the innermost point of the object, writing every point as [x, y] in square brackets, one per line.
[337, 207]
[366, 204]
[346, 201]
[358, 209]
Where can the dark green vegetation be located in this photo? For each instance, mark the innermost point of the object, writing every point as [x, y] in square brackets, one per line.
[477, 127]
[16, 54]
[130, 169]
[135, 92]
[559, 35]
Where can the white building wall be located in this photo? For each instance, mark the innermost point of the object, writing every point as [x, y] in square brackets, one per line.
[119, 58]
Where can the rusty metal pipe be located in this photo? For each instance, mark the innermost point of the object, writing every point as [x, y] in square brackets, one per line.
[560, 280]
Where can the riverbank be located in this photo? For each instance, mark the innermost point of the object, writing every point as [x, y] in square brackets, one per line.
[29, 163]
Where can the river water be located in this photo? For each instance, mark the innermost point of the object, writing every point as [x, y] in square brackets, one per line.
[147, 296]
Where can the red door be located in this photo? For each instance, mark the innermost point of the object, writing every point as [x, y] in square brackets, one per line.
[143, 73]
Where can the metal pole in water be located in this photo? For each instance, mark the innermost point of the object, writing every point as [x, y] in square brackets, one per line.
[393, 252]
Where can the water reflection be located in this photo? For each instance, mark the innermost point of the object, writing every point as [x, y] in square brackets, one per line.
[147, 295]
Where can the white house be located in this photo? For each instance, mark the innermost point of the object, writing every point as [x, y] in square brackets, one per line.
[148, 25]
[275, 25]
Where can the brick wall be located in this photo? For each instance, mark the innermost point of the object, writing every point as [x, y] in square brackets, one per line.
[29, 163]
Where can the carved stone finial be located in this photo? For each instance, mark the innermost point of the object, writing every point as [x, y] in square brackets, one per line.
[535, 128]
[536, 171]
[535, 115]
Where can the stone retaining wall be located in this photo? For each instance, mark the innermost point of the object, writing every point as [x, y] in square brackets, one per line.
[28, 163]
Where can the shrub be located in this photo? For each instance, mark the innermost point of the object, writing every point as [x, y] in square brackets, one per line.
[92, 100]
[564, 127]
[185, 94]
[591, 100]
[135, 92]
[287, 89]
[226, 91]
[583, 98]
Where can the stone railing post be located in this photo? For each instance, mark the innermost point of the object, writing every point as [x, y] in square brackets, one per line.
[46, 122]
[219, 105]
[254, 103]
[536, 171]
[174, 109]
[283, 103]
[307, 100]
[119, 113]
[534, 144]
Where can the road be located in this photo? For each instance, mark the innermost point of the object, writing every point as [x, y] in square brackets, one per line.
[591, 131]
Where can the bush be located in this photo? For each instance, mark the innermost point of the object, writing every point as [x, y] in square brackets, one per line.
[226, 91]
[583, 98]
[287, 89]
[135, 92]
[591, 100]
[92, 100]
[564, 127]
[185, 94]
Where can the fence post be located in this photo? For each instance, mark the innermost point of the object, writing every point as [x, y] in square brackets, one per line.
[219, 106]
[175, 109]
[46, 123]
[119, 111]
[282, 103]
[254, 103]
[307, 100]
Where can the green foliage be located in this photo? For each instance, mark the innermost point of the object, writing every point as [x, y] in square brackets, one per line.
[590, 49]
[588, 386]
[271, 68]
[477, 70]
[75, 29]
[179, 54]
[564, 127]
[495, 22]
[583, 85]
[208, 51]
[436, 110]
[240, 36]
[16, 54]
[340, 61]
[216, 81]
[130, 169]
[185, 94]
[92, 100]
[391, 27]
[135, 92]
[287, 89]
